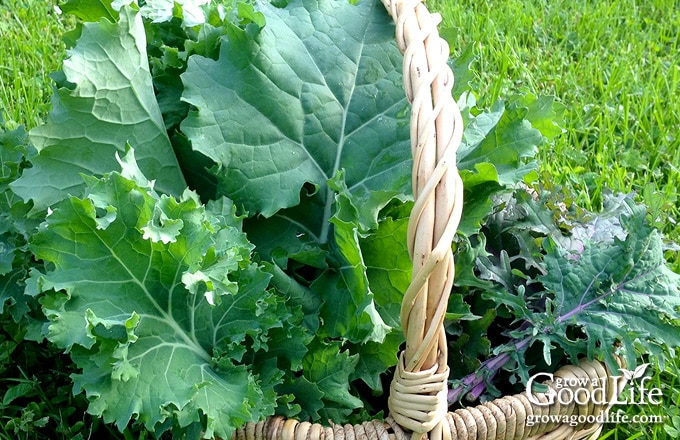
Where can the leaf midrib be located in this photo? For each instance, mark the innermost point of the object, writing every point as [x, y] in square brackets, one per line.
[327, 211]
[165, 317]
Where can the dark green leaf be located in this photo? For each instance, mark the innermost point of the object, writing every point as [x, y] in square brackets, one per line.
[323, 95]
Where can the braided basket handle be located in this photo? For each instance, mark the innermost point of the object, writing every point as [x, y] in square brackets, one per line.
[418, 392]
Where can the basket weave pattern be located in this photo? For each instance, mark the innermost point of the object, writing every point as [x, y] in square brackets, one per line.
[502, 419]
[417, 401]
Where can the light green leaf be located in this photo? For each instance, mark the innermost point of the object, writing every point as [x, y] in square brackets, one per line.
[149, 343]
[388, 267]
[479, 185]
[375, 359]
[459, 309]
[160, 227]
[543, 112]
[7, 249]
[308, 396]
[501, 137]
[498, 149]
[190, 11]
[248, 14]
[330, 370]
[90, 10]
[348, 310]
[105, 101]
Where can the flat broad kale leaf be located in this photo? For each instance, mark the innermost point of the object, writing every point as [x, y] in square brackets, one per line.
[105, 101]
[307, 123]
[157, 300]
[317, 90]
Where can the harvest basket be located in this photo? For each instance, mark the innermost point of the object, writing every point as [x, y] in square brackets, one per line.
[418, 394]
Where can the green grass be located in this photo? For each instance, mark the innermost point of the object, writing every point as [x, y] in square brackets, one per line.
[615, 65]
[30, 49]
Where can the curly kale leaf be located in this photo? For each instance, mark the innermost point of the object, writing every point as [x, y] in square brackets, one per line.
[156, 299]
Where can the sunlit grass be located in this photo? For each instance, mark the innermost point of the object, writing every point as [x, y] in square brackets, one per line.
[30, 49]
[614, 65]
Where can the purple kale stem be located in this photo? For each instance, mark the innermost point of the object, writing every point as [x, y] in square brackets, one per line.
[581, 307]
[454, 394]
[474, 384]
[477, 391]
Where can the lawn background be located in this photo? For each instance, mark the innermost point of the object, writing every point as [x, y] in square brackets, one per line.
[613, 64]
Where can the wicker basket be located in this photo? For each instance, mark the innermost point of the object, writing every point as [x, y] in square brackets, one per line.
[418, 394]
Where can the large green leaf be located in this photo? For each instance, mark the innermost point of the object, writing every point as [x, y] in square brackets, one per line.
[105, 101]
[502, 137]
[317, 90]
[388, 267]
[498, 148]
[156, 299]
[89, 10]
[345, 286]
[321, 83]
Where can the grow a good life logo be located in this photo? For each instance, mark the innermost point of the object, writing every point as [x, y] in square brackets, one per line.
[604, 392]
